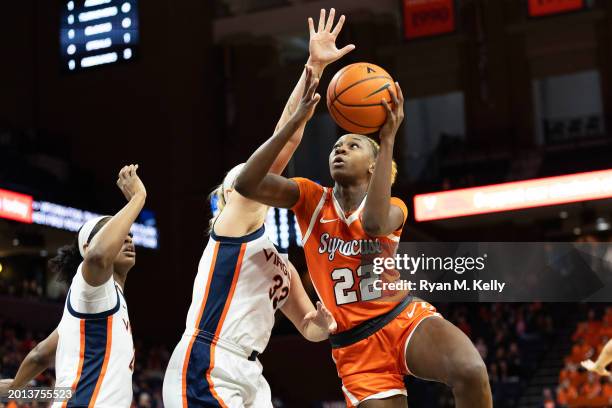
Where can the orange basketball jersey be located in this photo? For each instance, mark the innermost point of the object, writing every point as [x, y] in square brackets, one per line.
[334, 243]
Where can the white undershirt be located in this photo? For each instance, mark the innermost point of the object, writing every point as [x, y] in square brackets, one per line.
[85, 298]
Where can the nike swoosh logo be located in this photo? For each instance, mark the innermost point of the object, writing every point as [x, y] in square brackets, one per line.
[411, 313]
[382, 88]
[322, 221]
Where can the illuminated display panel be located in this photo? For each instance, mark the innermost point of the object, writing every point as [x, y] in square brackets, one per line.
[15, 206]
[517, 195]
[98, 32]
[539, 8]
[23, 208]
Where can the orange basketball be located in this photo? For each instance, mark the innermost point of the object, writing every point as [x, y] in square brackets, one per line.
[354, 97]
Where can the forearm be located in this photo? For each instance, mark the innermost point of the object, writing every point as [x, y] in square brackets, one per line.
[298, 91]
[108, 242]
[290, 107]
[376, 208]
[261, 161]
[31, 367]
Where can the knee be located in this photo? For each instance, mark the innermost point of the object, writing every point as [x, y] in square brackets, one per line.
[470, 374]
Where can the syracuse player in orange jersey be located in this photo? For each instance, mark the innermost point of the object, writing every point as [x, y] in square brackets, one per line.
[378, 341]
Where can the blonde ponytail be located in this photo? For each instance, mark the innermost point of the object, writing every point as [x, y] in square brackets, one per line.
[219, 192]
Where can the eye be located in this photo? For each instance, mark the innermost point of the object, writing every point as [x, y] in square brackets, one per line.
[353, 145]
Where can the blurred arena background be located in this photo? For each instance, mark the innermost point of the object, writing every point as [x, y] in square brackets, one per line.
[497, 91]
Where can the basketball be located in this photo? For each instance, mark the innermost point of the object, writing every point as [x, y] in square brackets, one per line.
[354, 97]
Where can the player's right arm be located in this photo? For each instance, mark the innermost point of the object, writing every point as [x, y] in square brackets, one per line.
[106, 244]
[254, 181]
[38, 360]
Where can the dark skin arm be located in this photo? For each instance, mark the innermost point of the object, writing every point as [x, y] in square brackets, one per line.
[379, 217]
[254, 181]
[106, 244]
[38, 360]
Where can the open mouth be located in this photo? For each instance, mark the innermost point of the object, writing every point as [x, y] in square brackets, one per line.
[338, 162]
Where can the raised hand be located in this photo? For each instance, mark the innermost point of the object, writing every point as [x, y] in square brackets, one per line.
[590, 365]
[395, 115]
[323, 50]
[129, 183]
[310, 98]
[322, 318]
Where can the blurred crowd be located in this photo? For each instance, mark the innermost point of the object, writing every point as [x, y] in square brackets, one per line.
[28, 288]
[510, 338]
[151, 362]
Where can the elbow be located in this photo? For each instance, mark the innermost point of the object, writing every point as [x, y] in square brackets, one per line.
[372, 227]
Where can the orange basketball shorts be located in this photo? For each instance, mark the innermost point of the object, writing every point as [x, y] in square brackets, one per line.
[375, 367]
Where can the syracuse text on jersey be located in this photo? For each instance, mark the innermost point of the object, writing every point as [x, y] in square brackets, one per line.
[353, 247]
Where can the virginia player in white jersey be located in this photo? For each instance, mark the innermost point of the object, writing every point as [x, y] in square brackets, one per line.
[92, 345]
[241, 282]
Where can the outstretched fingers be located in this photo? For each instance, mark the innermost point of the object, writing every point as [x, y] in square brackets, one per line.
[338, 27]
[330, 20]
[321, 21]
[345, 50]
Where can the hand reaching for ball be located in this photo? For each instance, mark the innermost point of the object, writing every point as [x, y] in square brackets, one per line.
[395, 115]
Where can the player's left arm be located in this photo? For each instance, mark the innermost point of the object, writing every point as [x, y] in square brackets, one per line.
[380, 218]
[38, 360]
[314, 324]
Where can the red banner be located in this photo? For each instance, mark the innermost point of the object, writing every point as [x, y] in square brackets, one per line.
[15, 206]
[546, 7]
[595, 185]
[424, 18]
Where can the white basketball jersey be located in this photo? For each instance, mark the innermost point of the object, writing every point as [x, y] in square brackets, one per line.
[95, 352]
[240, 284]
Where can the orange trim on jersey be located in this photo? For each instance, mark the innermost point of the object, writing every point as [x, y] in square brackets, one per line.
[81, 360]
[109, 342]
[221, 320]
[188, 353]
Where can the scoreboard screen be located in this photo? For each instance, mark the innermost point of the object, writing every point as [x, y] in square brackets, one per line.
[97, 32]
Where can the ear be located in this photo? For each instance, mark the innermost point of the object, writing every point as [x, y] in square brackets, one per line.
[371, 168]
[227, 194]
[85, 246]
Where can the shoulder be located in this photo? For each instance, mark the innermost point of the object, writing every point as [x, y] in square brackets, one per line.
[306, 184]
[310, 191]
